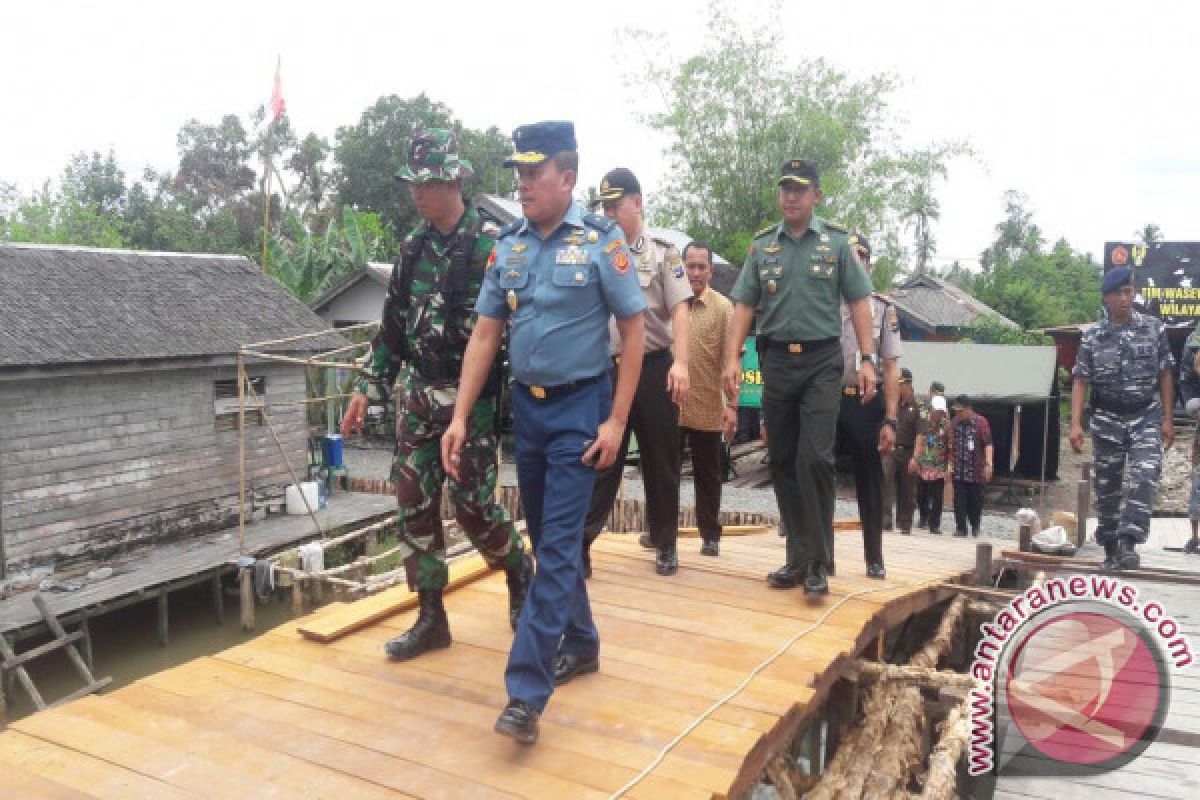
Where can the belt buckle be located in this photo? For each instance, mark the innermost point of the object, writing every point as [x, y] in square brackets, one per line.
[850, 391]
[796, 347]
[538, 391]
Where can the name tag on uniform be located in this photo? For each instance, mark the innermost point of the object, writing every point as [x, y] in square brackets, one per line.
[514, 261]
[574, 256]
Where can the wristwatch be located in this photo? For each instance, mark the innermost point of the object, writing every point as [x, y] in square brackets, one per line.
[867, 358]
[891, 422]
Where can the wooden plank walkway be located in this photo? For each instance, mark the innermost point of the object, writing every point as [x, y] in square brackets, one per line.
[285, 716]
[140, 573]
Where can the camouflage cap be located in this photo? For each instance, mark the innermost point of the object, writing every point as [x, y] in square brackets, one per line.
[433, 156]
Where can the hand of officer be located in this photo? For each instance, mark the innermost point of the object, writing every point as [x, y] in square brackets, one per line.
[732, 369]
[887, 439]
[1076, 437]
[452, 444]
[356, 412]
[1168, 432]
[603, 451]
[867, 382]
[678, 383]
[729, 420]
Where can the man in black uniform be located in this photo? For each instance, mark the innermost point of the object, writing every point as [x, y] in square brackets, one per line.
[867, 422]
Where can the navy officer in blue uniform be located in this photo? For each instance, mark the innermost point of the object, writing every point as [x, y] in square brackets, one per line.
[557, 275]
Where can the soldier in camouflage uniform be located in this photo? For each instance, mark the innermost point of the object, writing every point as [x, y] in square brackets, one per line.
[1127, 361]
[427, 320]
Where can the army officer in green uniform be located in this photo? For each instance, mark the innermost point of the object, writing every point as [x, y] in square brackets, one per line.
[796, 277]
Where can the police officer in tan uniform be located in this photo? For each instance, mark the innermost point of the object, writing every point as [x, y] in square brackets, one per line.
[662, 386]
[867, 422]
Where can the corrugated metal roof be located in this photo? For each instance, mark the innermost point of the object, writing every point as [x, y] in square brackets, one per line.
[70, 305]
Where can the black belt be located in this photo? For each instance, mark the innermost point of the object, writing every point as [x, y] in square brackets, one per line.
[906, 446]
[796, 348]
[1118, 407]
[545, 392]
[650, 357]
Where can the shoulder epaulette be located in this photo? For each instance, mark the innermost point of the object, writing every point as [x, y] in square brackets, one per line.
[489, 228]
[837, 226]
[599, 222]
[766, 230]
[510, 228]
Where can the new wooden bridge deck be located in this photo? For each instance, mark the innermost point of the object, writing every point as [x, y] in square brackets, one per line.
[688, 656]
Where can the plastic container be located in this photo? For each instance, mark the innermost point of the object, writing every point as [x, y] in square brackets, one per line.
[331, 450]
[295, 503]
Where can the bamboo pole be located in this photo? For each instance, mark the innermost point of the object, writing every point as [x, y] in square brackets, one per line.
[306, 362]
[241, 378]
[303, 336]
[287, 461]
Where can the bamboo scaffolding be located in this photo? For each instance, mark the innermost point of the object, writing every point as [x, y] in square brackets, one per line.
[287, 461]
[303, 336]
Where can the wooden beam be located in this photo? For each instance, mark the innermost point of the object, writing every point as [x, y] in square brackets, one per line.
[218, 595]
[162, 626]
[246, 585]
[871, 672]
[983, 564]
[40, 650]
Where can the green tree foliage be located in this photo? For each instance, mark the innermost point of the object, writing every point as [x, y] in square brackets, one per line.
[308, 263]
[734, 111]
[1027, 282]
[1150, 234]
[368, 153]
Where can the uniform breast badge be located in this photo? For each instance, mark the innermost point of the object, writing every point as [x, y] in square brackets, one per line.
[511, 296]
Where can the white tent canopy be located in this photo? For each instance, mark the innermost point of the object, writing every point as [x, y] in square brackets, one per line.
[984, 372]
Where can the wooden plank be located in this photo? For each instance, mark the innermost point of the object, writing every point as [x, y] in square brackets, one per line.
[328, 627]
[17, 782]
[82, 771]
[245, 758]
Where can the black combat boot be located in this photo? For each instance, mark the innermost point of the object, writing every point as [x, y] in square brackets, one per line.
[431, 631]
[1127, 556]
[1110, 555]
[518, 579]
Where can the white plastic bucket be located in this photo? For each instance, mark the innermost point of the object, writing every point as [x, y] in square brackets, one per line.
[294, 501]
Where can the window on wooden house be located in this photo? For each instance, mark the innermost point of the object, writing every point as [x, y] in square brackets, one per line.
[225, 403]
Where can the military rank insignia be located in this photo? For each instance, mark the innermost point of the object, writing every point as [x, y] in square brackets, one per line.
[520, 247]
[593, 237]
[620, 261]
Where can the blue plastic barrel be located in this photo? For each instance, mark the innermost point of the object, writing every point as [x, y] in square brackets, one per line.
[331, 449]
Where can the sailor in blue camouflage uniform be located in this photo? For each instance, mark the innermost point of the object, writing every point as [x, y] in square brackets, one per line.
[1127, 361]
[557, 275]
[1189, 395]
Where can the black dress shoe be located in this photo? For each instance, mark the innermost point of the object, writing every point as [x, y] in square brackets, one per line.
[815, 581]
[519, 721]
[906, 531]
[961, 533]
[645, 541]
[569, 665]
[711, 547]
[1127, 556]
[1110, 555]
[786, 577]
[922, 523]
[876, 571]
[667, 561]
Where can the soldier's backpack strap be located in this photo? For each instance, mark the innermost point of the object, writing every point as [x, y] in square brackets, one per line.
[402, 275]
[456, 283]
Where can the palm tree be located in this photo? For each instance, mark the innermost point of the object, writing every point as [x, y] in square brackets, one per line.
[1150, 234]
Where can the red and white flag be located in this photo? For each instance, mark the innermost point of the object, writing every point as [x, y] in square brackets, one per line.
[277, 104]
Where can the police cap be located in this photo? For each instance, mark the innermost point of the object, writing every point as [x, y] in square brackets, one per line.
[799, 172]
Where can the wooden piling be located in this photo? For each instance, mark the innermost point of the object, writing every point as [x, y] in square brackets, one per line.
[162, 617]
[983, 564]
[1082, 500]
[218, 595]
[86, 642]
[246, 584]
[1025, 539]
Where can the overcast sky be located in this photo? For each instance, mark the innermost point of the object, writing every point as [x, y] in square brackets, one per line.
[1087, 107]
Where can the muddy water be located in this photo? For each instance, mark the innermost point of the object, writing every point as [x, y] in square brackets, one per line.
[125, 643]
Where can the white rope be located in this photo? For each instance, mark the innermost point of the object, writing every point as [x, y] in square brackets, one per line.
[787, 645]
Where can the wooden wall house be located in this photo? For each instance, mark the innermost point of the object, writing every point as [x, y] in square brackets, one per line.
[118, 398]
